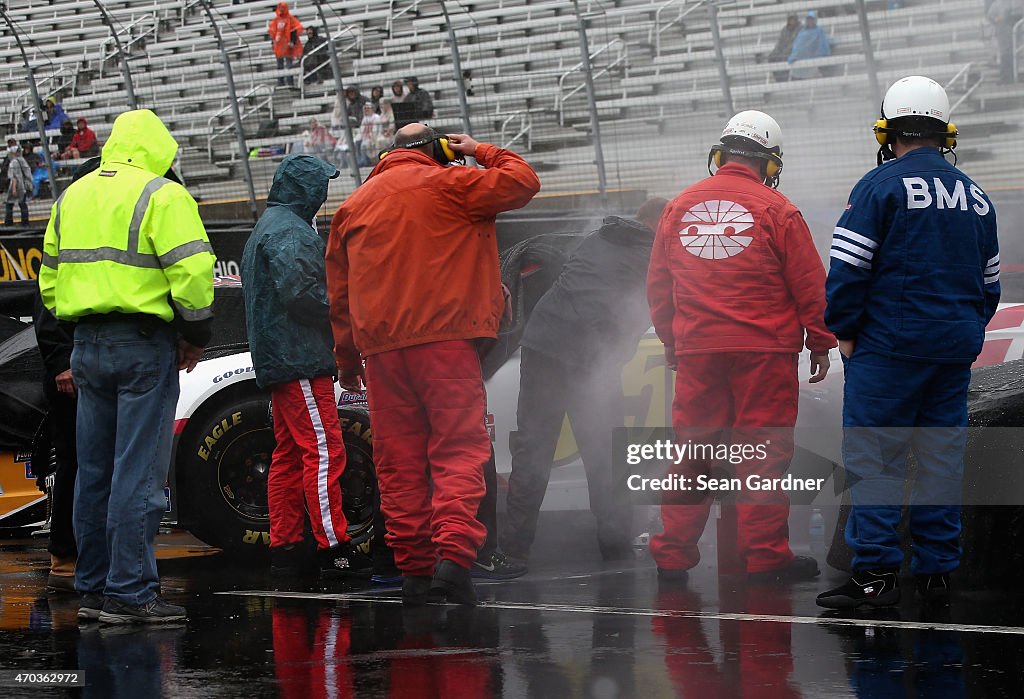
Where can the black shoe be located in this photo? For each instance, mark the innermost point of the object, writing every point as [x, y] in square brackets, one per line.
[291, 560]
[800, 568]
[617, 552]
[871, 588]
[415, 589]
[345, 561]
[497, 566]
[60, 584]
[934, 588]
[90, 606]
[452, 583]
[155, 611]
[673, 576]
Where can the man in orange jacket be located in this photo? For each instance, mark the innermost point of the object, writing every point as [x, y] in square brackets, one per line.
[737, 289]
[414, 286]
[285, 31]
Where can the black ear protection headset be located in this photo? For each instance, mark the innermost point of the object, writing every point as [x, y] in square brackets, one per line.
[883, 131]
[441, 151]
[773, 161]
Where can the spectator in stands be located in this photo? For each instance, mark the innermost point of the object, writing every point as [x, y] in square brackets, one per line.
[354, 105]
[19, 175]
[40, 173]
[284, 31]
[83, 143]
[784, 44]
[376, 94]
[369, 136]
[387, 124]
[1003, 15]
[320, 142]
[421, 98]
[313, 42]
[8, 157]
[55, 116]
[67, 135]
[810, 42]
[397, 92]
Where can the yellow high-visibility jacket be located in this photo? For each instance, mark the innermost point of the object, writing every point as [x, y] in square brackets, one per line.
[123, 239]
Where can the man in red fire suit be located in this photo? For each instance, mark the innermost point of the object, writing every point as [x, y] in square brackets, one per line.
[734, 284]
[413, 282]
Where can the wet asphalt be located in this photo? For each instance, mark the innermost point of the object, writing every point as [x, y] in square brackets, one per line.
[573, 627]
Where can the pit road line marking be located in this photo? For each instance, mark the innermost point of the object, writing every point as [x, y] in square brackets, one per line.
[668, 613]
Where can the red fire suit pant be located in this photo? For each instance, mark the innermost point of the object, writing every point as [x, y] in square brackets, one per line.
[427, 408]
[735, 398]
[308, 461]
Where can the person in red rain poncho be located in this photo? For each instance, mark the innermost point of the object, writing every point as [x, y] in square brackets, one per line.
[285, 31]
[734, 284]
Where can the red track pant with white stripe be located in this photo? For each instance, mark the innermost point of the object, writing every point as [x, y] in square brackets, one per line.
[748, 398]
[427, 409]
[306, 469]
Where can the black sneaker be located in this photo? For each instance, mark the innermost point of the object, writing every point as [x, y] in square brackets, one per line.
[673, 576]
[452, 583]
[800, 568]
[345, 561]
[155, 611]
[415, 589]
[870, 588]
[291, 560]
[497, 566]
[90, 606]
[934, 588]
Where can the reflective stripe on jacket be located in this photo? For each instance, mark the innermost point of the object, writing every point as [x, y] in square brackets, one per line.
[123, 239]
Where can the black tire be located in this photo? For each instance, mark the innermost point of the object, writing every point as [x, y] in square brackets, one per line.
[222, 467]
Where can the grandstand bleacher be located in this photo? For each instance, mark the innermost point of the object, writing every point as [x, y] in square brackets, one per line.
[659, 95]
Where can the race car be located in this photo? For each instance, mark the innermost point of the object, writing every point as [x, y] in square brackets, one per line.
[217, 485]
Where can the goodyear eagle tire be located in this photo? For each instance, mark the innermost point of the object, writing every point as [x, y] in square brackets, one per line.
[222, 468]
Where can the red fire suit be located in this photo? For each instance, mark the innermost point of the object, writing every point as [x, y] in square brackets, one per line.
[734, 283]
[413, 281]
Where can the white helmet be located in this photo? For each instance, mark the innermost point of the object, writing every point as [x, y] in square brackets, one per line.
[916, 96]
[758, 128]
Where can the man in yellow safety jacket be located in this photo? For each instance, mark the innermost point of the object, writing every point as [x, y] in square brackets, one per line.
[127, 259]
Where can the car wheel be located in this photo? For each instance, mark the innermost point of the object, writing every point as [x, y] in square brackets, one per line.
[223, 464]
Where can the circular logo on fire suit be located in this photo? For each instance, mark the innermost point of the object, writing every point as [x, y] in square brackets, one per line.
[711, 230]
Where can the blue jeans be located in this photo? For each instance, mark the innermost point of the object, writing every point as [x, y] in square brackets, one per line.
[890, 408]
[127, 392]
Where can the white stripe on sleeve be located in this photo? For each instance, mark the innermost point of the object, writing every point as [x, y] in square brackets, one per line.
[850, 259]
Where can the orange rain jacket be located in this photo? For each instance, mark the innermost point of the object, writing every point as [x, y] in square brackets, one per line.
[280, 30]
[412, 256]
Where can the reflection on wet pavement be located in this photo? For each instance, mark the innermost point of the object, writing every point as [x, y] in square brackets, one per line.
[578, 629]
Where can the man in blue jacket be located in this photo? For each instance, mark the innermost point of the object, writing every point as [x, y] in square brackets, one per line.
[284, 282]
[913, 281]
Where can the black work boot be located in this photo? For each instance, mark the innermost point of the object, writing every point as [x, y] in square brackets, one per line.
[934, 588]
[345, 561]
[452, 583]
[800, 568]
[865, 588]
[415, 589]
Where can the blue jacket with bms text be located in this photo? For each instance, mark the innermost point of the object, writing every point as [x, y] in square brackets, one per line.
[915, 262]
[284, 279]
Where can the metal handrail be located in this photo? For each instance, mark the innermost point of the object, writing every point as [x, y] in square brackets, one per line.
[962, 72]
[525, 126]
[392, 15]
[357, 41]
[253, 109]
[965, 73]
[560, 99]
[187, 5]
[1015, 45]
[132, 40]
[655, 32]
